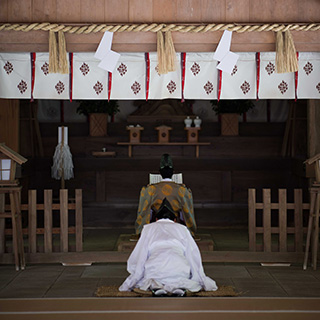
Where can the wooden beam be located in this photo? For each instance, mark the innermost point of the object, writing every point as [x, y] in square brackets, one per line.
[37, 41]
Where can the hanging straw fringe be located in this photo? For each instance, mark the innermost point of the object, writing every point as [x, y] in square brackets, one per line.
[167, 60]
[162, 66]
[291, 53]
[171, 58]
[286, 55]
[280, 54]
[63, 62]
[53, 55]
[58, 62]
[62, 163]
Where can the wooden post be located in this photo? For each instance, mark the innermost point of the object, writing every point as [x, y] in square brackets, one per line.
[315, 243]
[313, 196]
[282, 220]
[2, 224]
[285, 142]
[79, 220]
[313, 127]
[64, 220]
[47, 221]
[266, 220]
[32, 221]
[252, 219]
[298, 220]
[15, 244]
[17, 201]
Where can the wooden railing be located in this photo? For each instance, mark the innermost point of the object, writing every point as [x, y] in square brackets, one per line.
[280, 226]
[49, 210]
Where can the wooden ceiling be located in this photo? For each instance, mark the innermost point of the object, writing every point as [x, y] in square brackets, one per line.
[158, 11]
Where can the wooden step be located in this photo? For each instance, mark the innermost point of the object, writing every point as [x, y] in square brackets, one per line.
[160, 308]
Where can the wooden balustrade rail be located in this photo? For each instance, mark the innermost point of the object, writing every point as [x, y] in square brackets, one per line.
[281, 229]
[65, 207]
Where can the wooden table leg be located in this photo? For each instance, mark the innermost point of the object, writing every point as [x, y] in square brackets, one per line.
[197, 151]
[316, 233]
[130, 151]
[313, 196]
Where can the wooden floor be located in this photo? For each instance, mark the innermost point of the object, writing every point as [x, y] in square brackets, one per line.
[43, 281]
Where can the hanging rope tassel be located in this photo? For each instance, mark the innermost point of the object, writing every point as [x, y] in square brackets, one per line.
[53, 54]
[280, 54]
[162, 66]
[171, 58]
[63, 62]
[291, 53]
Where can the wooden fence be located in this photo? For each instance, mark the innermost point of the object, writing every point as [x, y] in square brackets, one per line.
[280, 226]
[49, 209]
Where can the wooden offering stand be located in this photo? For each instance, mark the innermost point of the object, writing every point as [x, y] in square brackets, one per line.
[163, 134]
[193, 134]
[134, 134]
[163, 139]
[314, 213]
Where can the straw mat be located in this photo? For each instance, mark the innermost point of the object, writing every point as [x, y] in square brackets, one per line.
[113, 291]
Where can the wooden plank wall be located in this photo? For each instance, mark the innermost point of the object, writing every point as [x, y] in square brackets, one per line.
[219, 11]
[167, 11]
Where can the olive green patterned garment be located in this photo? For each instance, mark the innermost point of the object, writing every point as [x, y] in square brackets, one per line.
[179, 196]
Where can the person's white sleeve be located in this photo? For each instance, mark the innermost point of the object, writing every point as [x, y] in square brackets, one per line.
[136, 262]
[194, 258]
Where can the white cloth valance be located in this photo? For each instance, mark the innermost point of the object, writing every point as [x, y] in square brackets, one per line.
[15, 75]
[53, 85]
[25, 76]
[201, 76]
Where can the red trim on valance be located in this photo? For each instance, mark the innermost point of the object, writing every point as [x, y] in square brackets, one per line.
[71, 74]
[258, 72]
[220, 83]
[147, 57]
[183, 74]
[33, 71]
[296, 81]
[109, 84]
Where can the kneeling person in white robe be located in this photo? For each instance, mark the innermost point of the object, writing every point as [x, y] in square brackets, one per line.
[166, 257]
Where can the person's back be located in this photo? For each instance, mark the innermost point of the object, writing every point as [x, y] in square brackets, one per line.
[167, 247]
[179, 196]
[166, 257]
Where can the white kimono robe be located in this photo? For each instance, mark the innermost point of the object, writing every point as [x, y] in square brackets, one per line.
[167, 257]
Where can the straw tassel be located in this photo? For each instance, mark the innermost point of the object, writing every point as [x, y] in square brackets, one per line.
[280, 54]
[291, 54]
[53, 54]
[63, 62]
[171, 58]
[162, 67]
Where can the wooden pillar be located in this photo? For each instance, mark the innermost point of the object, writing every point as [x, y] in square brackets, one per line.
[2, 224]
[313, 127]
[9, 123]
